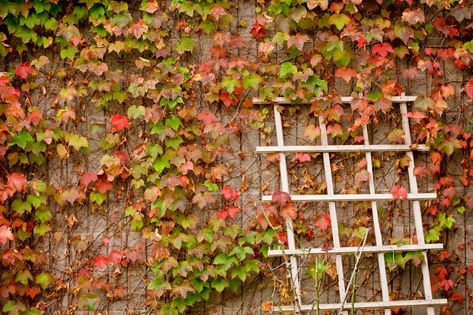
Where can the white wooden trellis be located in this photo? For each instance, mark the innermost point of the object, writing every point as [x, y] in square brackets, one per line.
[293, 252]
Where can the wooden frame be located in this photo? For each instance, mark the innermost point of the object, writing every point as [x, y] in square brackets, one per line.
[331, 198]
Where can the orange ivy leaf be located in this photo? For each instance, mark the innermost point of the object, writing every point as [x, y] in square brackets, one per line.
[5, 234]
[345, 73]
[17, 181]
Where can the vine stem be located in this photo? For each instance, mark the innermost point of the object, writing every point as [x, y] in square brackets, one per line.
[358, 255]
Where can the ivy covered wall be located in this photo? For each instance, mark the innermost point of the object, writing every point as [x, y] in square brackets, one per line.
[130, 182]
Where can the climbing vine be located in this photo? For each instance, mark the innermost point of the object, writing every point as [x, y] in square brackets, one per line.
[131, 109]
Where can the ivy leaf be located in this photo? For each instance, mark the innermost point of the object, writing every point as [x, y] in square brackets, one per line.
[5, 234]
[469, 88]
[97, 197]
[258, 30]
[119, 122]
[87, 178]
[323, 222]
[345, 73]
[287, 70]
[22, 139]
[280, 37]
[219, 284]
[382, 49]
[161, 164]
[399, 191]
[173, 122]
[396, 136]
[252, 80]
[17, 181]
[207, 118]
[229, 193]
[136, 111]
[23, 70]
[88, 300]
[339, 20]
[312, 132]
[297, 41]
[432, 235]
[44, 280]
[41, 229]
[101, 261]
[185, 44]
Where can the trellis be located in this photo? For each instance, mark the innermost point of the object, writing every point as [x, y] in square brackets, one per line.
[293, 252]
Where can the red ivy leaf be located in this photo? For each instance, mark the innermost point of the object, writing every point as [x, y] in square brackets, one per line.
[297, 41]
[23, 70]
[302, 157]
[382, 49]
[281, 197]
[323, 222]
[17, 181]
[101, 261]
[258, 30]
[233, 211]
[230, 211]
[119, 122]
[207, 117]
[399, 191]
[103, 186]
[227, 99]
[229, 193]
[87, 178]
[469, 88]
[115, 256]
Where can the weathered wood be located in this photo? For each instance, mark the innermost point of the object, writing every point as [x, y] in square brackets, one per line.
[357, 197]
[366, 305]
[352, 250]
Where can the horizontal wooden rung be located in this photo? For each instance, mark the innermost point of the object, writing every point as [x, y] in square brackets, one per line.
[356, 197]
[353, 249]
[362, 305]
[344, 99]
[343, 148]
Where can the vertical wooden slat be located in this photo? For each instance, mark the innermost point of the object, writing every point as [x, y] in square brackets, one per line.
[285, 188]
[333, 211]
[376, 226]
[416, 208]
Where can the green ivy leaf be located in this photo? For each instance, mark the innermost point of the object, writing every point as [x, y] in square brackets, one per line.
[97, 197]
[220, 284]
[252, 80]
[173, 122]
[135, 112]
[41, 229]
[211, 186]
[339, 20]
[432, 235]
[20, 206]
[22, 139]
[161, 164]
[185, 44]
[44, 280]
[287, 70]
